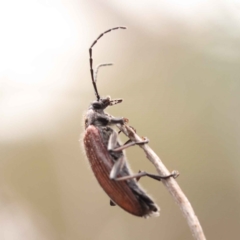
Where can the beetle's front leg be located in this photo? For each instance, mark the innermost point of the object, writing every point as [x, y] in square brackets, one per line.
[108, 120]
[113, 120]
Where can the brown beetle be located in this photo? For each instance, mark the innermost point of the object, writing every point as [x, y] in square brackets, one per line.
[106, 156]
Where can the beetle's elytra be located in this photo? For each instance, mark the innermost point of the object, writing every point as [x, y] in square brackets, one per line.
[127, 195]
[106, 156]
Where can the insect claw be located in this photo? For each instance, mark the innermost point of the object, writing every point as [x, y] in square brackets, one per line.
[175, 174]
[145, 141]
[125, 120]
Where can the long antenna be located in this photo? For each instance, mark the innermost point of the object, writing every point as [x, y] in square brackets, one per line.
[91, 60]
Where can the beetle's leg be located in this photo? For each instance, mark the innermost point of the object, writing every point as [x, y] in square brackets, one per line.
[112, 143]
[128, 144]
[128, 141]
[174, 174]
[130, 127]
[138, 178]
[113, 120]
[117, 167]
[107, 119]
[112, 203]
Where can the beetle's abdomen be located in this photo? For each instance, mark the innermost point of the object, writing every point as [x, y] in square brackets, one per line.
[125, 194]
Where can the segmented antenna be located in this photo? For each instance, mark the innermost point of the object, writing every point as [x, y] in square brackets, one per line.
[94, 78]
[97, 68]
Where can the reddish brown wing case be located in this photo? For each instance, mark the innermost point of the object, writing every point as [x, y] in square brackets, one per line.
[101, 164]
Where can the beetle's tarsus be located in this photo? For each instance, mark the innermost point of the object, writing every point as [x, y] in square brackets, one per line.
[175, 174]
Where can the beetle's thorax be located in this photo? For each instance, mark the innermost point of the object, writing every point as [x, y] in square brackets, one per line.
[96, 115]
[95, 118]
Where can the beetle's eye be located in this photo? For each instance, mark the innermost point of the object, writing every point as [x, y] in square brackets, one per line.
[96, 105]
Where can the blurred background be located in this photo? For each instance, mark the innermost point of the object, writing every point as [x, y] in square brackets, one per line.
[177, 68]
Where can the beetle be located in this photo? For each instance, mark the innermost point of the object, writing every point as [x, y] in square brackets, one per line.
[106, 156]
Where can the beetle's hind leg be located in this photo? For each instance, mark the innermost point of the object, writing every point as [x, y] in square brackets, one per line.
[117, 167]
[174, 174]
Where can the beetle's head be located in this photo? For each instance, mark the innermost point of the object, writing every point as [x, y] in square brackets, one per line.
[103, 103]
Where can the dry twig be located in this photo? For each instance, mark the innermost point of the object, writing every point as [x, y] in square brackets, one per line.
[171, 185]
